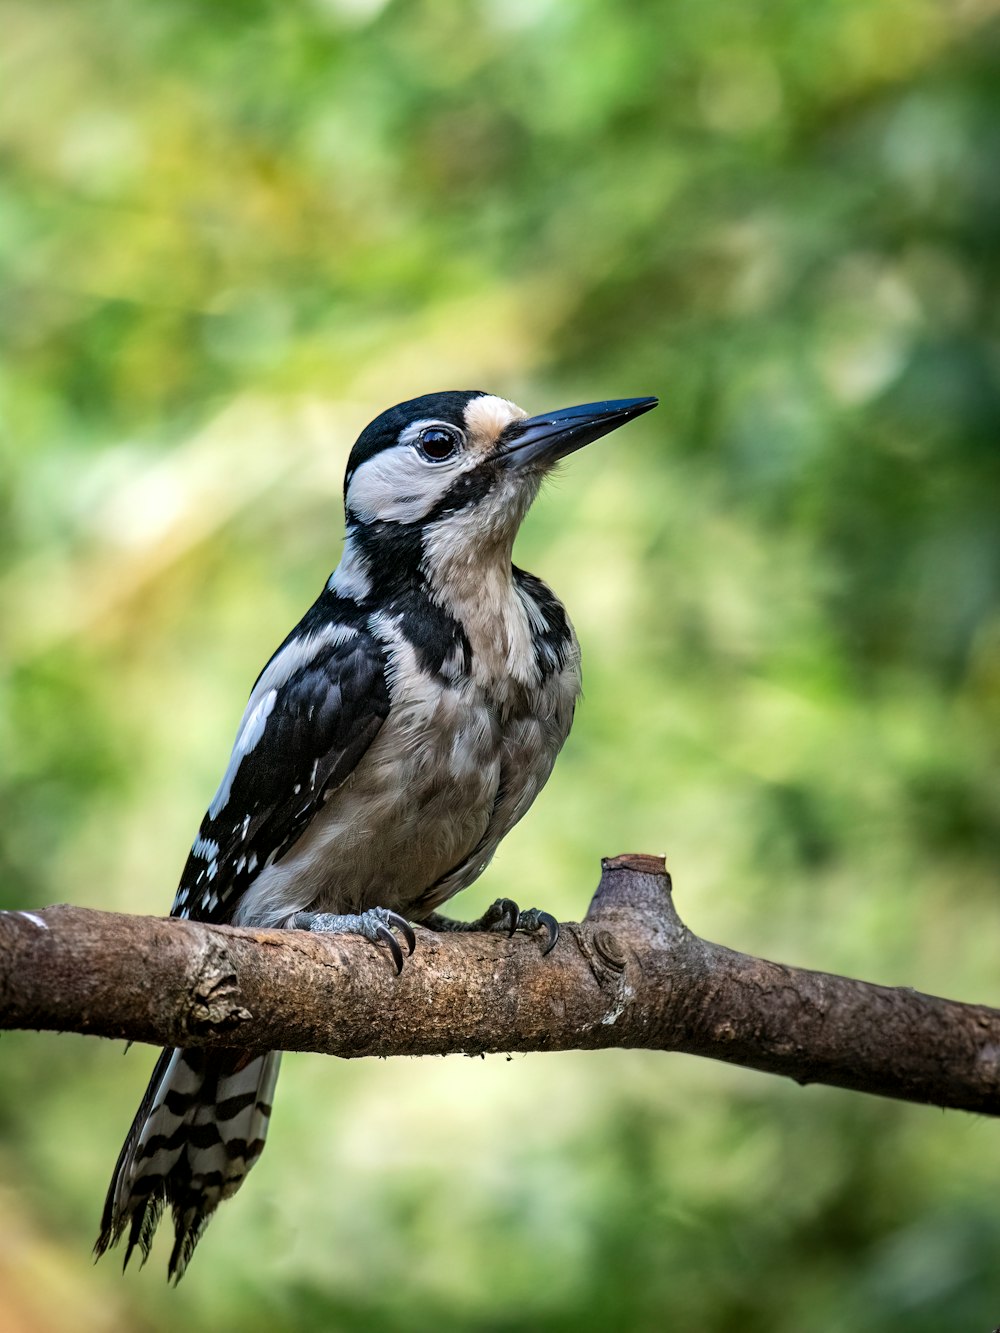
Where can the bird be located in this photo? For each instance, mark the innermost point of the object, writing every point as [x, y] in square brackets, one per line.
[394, 738]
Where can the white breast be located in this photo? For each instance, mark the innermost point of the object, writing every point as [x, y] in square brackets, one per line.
[454, 767]
[416, 804]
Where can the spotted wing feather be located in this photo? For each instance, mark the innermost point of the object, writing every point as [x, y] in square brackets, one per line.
[311, 717]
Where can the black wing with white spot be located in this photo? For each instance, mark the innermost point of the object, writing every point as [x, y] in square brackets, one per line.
[314, 711]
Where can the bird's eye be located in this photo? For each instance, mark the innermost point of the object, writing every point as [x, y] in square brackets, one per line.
[437, 444]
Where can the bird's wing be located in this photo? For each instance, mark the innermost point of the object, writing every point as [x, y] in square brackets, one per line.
[314, 711]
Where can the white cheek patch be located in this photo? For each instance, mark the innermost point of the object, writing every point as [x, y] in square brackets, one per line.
[398, 486]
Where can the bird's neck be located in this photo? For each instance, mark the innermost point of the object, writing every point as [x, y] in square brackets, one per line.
[466, 563]
[474, 582]
[448, 564]
[380, 562]
[353, 576]
[467, 573]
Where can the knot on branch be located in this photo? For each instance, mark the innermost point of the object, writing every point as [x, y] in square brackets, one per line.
[214, 1003]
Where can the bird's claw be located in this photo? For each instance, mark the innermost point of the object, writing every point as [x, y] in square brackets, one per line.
[401, 924]
[505, 914]
[377, 925]
[384, 934]
[533, 919]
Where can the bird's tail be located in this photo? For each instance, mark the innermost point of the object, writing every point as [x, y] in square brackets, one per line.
[198, 1131]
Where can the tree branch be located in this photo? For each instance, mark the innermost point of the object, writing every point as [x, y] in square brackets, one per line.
[631, 974]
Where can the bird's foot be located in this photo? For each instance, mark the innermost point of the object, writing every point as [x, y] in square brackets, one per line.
[377, 925]
[503, 915]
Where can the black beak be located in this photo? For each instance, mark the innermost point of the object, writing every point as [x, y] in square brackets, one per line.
[543, 440]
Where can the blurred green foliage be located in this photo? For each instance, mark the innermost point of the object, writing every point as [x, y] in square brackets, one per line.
[230, 234]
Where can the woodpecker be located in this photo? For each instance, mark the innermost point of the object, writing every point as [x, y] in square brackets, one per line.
[398, 733]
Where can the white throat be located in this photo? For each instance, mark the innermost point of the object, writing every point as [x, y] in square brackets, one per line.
[467, 564]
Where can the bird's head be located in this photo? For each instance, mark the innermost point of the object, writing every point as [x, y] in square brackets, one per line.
[458, 470]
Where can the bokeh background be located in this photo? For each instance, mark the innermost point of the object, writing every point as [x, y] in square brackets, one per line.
[232, 233]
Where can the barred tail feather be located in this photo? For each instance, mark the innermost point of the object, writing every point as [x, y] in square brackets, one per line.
[199, 1129]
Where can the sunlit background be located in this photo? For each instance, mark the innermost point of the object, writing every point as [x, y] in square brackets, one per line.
[232, 233]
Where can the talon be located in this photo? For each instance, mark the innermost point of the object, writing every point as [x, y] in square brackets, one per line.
[509, 912]
[551, 925]
[401, 924]
[384, 934]
[504, 915]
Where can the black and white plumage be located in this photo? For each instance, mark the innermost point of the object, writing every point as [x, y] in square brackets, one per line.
[398, 733]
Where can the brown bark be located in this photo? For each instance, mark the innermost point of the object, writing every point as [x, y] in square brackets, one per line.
[631, 974]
